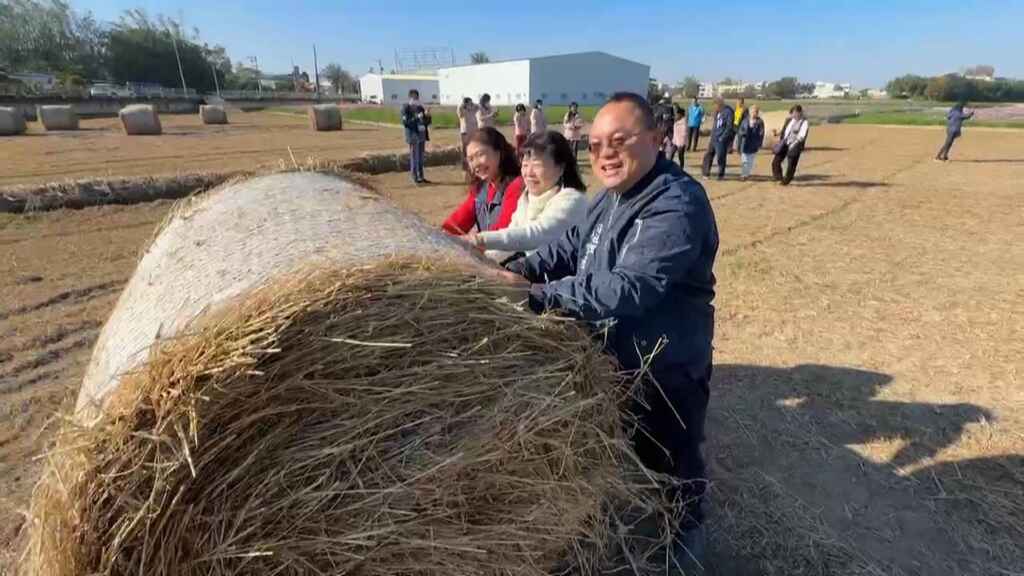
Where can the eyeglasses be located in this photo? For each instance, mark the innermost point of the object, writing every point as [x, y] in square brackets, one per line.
[616, 143]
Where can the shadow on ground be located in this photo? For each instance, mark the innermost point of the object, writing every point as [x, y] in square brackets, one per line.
[827, 181]
[813, 473]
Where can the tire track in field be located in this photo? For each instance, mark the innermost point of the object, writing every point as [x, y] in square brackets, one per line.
[82, 232]
[65, 297]
[810, 221]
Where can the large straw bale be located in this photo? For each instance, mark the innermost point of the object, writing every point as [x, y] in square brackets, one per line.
[333, 388]
[140, 119]
[58, 117]
[213, 114]
[325, 117]
[12, 122]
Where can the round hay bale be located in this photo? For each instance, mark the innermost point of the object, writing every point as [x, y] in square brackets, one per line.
[213, 114]
[140, 119]
[325, 117]
[330, 387]
[12, 122]
[58, 117]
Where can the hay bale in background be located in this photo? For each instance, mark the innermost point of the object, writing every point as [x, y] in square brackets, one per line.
[12, 122]
[325, 117]
[140, 119]
[310, 404]
[58, 117]
[213, 114]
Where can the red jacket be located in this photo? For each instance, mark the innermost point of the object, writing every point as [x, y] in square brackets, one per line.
[463, 219]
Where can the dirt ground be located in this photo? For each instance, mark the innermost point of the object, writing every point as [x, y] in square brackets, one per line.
[867, 412]
[251, 140]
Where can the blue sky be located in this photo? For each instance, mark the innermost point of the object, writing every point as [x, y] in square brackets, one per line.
[865, 42]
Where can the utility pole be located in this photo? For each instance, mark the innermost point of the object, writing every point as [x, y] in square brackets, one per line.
[316, 74]
[177, 57]
[216, 83]
[256, 64]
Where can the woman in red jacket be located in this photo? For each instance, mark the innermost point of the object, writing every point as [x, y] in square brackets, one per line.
[495, 189]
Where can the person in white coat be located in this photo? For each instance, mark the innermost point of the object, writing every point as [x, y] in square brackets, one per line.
[555, 201]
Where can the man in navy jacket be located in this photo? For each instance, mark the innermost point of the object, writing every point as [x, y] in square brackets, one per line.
[722, 131]
[641, 265]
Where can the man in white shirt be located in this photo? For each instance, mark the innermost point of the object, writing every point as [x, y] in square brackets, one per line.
[790, 146]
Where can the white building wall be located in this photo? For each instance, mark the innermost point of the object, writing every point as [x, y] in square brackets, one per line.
[395, 89]
[508, 83]
[587, 78]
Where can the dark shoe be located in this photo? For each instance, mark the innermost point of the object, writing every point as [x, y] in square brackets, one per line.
[689, 552]
[721, 178]
[425, 181]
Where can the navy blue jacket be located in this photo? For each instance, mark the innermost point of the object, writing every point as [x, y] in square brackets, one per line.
[955, 120]
[640, 263]
[751, 135]
[723, 128]
[412, 122]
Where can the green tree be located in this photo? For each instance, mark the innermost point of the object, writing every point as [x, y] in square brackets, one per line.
[341, 80]
[479, 58]
[47, 36]
[143, 50]
[785, 87]
[691, 87]
[907, 86]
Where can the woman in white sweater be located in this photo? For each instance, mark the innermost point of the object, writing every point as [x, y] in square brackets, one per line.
[555, 200]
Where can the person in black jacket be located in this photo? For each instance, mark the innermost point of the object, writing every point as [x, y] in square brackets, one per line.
[416, 120]
[640, 265]
[721, 137]
[751, 138]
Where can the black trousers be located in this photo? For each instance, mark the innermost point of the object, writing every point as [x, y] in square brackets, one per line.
[792, 158]
[944, 151]
[671, 411]
[682, 152]
[693, 138]
[716, 148]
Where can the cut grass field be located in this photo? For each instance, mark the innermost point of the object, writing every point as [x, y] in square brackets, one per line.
[928, 118]
[443, 116]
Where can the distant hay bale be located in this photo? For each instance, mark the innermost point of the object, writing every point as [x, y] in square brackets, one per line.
[140, 119]
[58, 117]
[12, 122]
[325, 117]
[213, 114]
[362, 403]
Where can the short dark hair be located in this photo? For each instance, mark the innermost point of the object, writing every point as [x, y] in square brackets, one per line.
[640, 103]
[485, 97]
[680, 111]
[414, 91]
[467, 100]
[539, 102]
[558, 147]
[508, 165]
[797, 108]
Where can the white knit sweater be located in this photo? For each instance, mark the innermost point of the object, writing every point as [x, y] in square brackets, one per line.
[537, 221]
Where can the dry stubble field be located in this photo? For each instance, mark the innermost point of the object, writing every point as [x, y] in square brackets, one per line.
[867, 413]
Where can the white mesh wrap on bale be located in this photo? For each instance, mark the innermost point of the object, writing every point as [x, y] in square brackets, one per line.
[58, 117]
[11, 122]
[325, 117]
[140, 119]
[213, 114]
[239, 236]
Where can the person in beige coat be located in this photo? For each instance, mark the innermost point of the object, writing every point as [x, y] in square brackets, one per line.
[485, 114]
[572, 128]
[554, 201]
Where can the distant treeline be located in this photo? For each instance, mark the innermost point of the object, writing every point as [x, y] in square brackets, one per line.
[955, 87]
[49, 36]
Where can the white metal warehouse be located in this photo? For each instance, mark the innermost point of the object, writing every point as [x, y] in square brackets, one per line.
[588, 78]
[394, 88]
